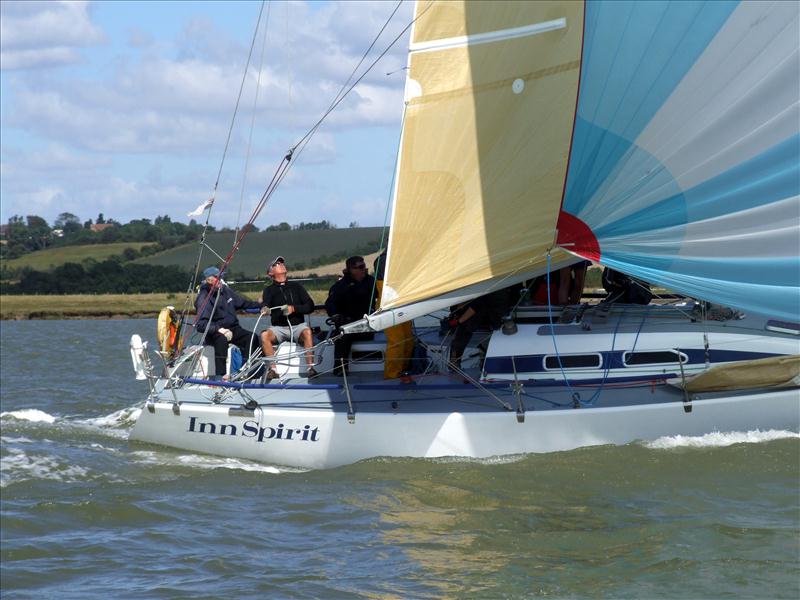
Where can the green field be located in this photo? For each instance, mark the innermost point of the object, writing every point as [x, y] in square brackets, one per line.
[46, 260]
[261, 247]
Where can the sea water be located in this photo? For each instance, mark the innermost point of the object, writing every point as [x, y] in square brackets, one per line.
[87, 514]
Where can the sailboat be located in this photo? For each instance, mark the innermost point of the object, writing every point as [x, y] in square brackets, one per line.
[660, 139]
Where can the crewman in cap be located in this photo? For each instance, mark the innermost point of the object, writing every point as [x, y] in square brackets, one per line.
[217, 318]
[288, 302]
[349, 299]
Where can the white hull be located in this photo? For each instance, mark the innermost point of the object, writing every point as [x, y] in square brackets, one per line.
[439, 415]
[333, 441]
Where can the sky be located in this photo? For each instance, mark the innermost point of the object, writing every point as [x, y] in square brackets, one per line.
[123, 108]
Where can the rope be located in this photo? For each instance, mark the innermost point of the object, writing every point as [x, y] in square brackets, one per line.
[468, 378]
[572, 392]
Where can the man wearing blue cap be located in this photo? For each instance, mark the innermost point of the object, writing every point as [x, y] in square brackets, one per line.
[222, 327]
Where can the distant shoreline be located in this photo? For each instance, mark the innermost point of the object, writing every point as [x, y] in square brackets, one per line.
[99, 306]
[104, 306]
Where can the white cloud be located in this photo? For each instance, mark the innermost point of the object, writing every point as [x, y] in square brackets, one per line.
[43, 34]
[159, 103]
[169, 105]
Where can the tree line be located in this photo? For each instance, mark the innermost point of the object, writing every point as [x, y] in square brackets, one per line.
[117, 275]
[111, 276]
[32, 233]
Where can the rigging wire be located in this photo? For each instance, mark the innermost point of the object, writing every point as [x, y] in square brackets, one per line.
[300, 146]
[252, 122]
[239, 96]
[343, 93]
[388, 205]
[216, 183]
[284, 165]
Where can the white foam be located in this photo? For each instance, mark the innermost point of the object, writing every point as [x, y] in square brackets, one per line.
[29, 414]
[97, 446]
[503, 459]
[719, 439]
[114, 425]
[18, 466]
[14, 440]
[121, 418]
[201, 461]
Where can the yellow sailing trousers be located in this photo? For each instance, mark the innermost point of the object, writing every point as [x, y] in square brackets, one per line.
[399, 346]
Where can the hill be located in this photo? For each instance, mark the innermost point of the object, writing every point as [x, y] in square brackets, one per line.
[303, 249]
[48, 259]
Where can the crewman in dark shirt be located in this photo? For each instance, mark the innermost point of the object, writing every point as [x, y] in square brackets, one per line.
[622, 288]
[287, 302]
[217, 318]
[349, 299]
[485, 312]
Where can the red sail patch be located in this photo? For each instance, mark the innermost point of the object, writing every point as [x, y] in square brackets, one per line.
[576, 236]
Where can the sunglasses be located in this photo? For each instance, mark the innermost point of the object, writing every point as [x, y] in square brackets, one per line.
[361, 266]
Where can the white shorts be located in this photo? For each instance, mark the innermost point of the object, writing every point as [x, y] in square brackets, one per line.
[283, 334]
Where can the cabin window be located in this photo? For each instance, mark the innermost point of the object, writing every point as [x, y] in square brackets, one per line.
[366, 355]
[573, 361]
[634, 359]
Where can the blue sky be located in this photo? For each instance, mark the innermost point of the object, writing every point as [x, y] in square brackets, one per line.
[123, 108]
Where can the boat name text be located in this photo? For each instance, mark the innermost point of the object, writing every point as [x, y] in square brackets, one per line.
[252, 429]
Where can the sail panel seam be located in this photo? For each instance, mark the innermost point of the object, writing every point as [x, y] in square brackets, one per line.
[488, 37]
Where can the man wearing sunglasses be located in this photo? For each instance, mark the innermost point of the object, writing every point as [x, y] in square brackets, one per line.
[349, 299]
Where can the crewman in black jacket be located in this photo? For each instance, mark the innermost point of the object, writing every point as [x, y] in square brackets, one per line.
[222, 327]
[288, 303]
[349, 299]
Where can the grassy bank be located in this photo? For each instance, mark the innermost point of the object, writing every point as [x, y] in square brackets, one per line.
[46, 260]
[101, 306]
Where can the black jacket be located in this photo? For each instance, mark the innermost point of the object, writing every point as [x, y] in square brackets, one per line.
[288, 293]
[350, 298]
[225, 313]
